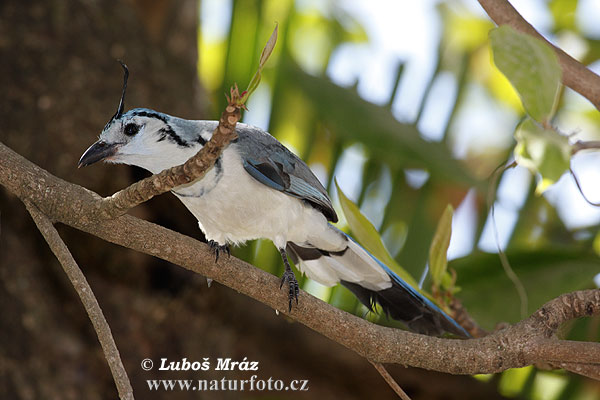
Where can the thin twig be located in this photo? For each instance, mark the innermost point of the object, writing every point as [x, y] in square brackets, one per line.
[194, 168]
[77, 278]
[586, 145]
[574, 74]
[581, 189]
[464, 319]
[510, 273]
[390, 380]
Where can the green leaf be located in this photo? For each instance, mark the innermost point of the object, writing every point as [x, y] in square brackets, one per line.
[489, 295]
[532, 68]
[366, 234]
[264, 56]
[542, 151]
[563, 12]
[438, 261]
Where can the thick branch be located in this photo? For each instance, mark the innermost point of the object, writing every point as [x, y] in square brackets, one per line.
[522, 344]
[81, 285]
[574, 74]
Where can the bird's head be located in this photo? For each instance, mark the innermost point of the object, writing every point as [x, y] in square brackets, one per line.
[141, 137]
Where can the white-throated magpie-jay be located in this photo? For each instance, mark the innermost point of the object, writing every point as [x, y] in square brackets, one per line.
[259, 189]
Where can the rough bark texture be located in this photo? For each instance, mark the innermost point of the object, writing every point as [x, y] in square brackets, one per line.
[525, 343]
[60, 84]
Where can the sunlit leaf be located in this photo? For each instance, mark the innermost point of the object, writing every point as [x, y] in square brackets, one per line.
[542, 151]
[563, 12]
[464, 31]
[513, 380]
[367, 236]
[438, 261]
[498, 84]
[264, 56]
[266, 53]
[532, 67]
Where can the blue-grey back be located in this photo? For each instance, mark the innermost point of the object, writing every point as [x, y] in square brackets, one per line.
[270, 162]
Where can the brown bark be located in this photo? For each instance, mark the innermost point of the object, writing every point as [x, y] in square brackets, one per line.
[525, 343]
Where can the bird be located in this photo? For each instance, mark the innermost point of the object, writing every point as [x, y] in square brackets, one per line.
[256, 189]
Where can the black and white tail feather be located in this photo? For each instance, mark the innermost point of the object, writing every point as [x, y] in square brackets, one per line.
[397, 299]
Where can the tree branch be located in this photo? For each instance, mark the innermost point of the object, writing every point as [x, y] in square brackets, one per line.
[528, 342]
[83, 289]
[198, 165]
[580, 188]
[390, 380]
[586, 145]
[574, 74]
[590, 370]
[194, 168]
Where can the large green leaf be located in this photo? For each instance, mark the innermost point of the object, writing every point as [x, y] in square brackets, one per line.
[388, 140]
[532, 67]
[366, 234]
[491, 297]
[542, 151]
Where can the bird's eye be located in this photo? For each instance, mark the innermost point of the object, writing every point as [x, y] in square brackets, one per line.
[131, 129]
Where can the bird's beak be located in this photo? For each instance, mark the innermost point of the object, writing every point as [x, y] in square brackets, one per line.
[97, 152]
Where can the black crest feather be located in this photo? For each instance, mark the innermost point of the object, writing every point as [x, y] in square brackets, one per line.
[122, 102]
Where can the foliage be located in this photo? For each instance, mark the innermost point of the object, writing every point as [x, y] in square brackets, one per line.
[364, 231]
[532, 67]
[323, 121]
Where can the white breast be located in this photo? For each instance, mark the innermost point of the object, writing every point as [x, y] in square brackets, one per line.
[234, 208]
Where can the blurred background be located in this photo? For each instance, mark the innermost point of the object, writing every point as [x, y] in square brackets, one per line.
[397, 100]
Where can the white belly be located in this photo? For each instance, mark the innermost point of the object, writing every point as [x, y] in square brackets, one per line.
[238, 208]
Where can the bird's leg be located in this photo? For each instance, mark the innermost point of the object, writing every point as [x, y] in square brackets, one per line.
[217, 248]
[289, 277]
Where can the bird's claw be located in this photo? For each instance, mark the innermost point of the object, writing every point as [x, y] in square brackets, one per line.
[289, 277]
[217, 248]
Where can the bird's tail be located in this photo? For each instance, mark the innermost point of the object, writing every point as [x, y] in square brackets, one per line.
[373, 282]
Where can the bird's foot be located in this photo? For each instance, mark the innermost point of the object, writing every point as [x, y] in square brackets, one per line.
[289, 277]
[217, 248]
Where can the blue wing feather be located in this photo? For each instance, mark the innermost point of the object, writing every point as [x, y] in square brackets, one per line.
[273, 165]
[261, 177]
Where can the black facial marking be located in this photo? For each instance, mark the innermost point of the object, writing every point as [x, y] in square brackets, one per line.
[168, 133]
[206, 189]
[218, 168]
[131, 129]
[201, 140]
[200, 193]
[151, 114]
[108, 124]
